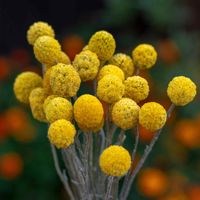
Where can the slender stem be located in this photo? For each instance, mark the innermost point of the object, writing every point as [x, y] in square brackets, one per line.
[137, 71]
[108, 195]
[110, 135]
[147, 151]
[59, 172]
[121, 137]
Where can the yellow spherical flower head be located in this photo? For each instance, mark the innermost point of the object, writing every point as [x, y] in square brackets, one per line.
[181, 90]
[24, 84]
[110, 89]
[36, 99]
[61, 133]
[64, 80]
[103, 44]
[115, 161]
[152, 116]
[46, 50]
[58, 108]
[136, 88]
[124, 62]
[37, 30]
[144, 56]
[125, 113]
[111, 70]
[48, 99]
[87, 65]
[46, 81]
[88, 112]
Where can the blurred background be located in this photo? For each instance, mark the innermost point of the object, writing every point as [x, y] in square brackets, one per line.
[173, 170]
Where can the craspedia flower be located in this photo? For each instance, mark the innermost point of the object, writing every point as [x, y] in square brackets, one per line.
[87, 65]
[103, 44]
[61, 133]
[152, 116]
[46, 81]
[36, 99]
[115, 161]
[64, 80]
[24, 84]
[88, 112]
[58, 108]
[48, 99]
[124, 62]
[111, 69]
[37, 30]
[144, 56]
[181, 90]
[47, 50]
[125, 113]
[136, 88]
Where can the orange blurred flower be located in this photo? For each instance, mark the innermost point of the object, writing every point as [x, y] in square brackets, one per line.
[175, 196]
[153, 182]
[3, 128]
[145, 135]
[11, 165]
[4, 68]
[168, 51]
[72, 45]
[194, 193]
[187, 133]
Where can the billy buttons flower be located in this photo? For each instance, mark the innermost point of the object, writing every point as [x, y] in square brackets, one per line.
[87, 65]
[61, 133]
[144, 56]
[136, 88]
[181, 90]
[64, 80]
[103, 44]
[39, 29]
[24, 84]
[88, 112]
[115, 161]
[125, 113]
[124, 62]
[152, 116]
[48, 99]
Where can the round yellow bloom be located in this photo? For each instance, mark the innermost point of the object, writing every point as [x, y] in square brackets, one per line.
[125, 113]
[88, 112]
[136, 88]
[115, 161]
[111, 70]
[181, 90]
[48, 99]
[24, 84]
[64, 80]
[103, 44]
[61, 133]
[87, 65]
[152, 116]
[46, 81]
[46, 50]
[124, 62]
[58, 108]
[37, 30]
[110, 89]
[144, 56]
[36, 99]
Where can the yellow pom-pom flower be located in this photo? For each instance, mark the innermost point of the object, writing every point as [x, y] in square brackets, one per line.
[181, 90]
[115, 161]
[88, 112]
[24, 84]
[111, 70]
[124, 62]
[87, 65]
[48, 99]
[110, 89]
[136, 88]
[103, 44]
[58, 108]
[125, 113]
[144, 56]
[152, 116]
[47, 50]
[61, 133]
[64, 80]
[36, 99]
[37, 30]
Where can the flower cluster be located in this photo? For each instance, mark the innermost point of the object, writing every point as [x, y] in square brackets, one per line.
[74, 117]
